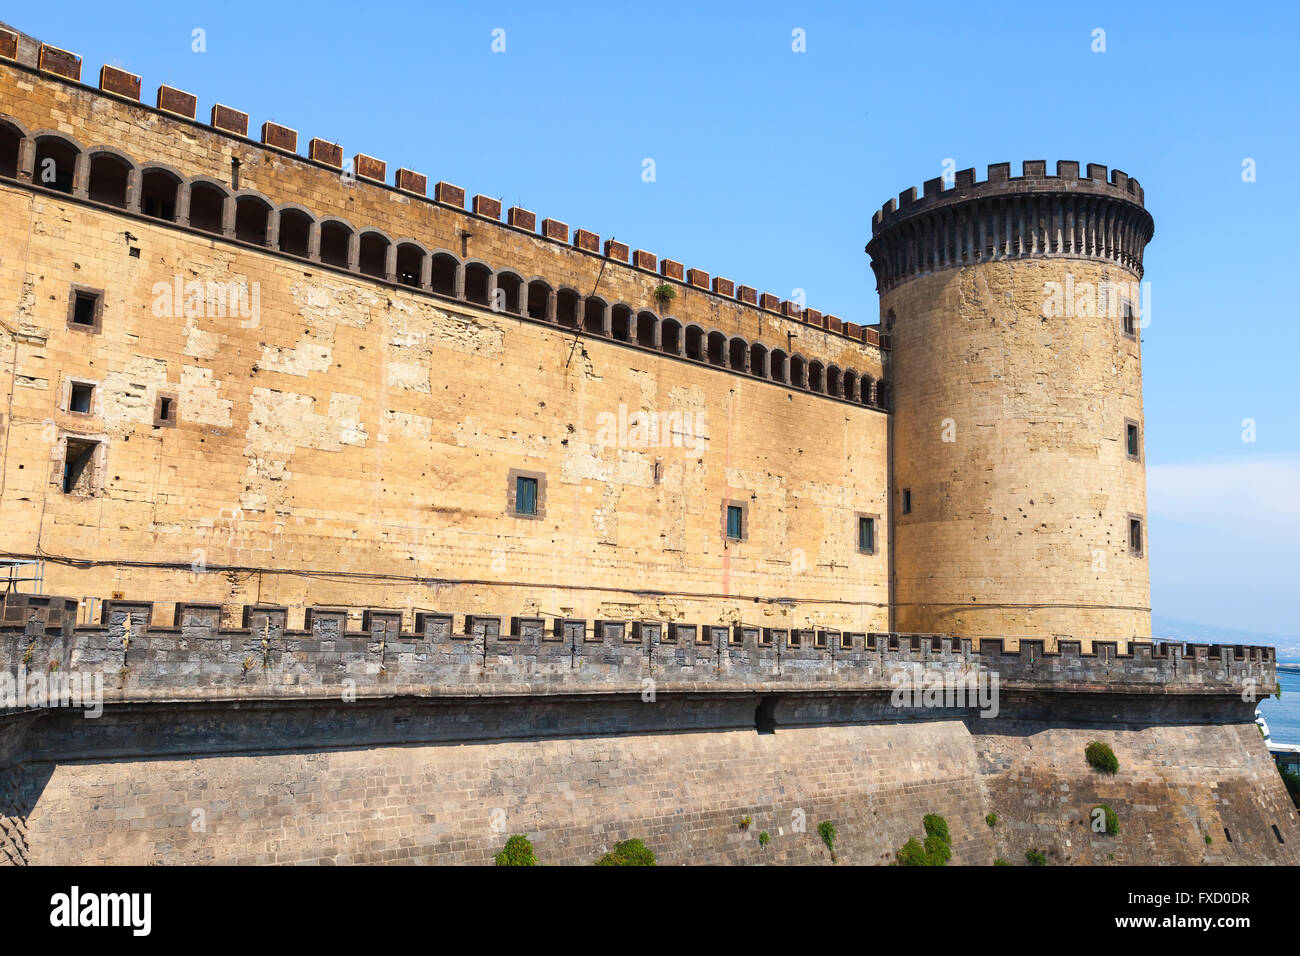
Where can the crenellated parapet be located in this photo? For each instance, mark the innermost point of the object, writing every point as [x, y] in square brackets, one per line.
[971, 221]
[446, 654]
[274, 222]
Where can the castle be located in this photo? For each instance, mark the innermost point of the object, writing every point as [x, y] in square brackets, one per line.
[275, 426]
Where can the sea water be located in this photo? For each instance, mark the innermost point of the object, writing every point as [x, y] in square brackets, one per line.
[1283, 715]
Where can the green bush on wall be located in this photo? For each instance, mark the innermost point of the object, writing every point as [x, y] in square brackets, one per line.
[628, 853]
[937, 849]
[1036, 857]
[936, 826]
[518, 852]
[1102, 757]
[1112, 819]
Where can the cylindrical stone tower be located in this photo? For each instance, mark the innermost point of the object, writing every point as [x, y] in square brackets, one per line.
[1018, 477]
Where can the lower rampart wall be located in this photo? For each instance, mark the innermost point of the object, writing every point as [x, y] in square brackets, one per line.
[243, 784]
[263, 744]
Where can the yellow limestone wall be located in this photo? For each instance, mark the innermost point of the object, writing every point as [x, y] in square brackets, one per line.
[364, 429]
[1009, 431]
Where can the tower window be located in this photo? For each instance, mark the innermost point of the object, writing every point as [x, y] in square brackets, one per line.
[1132, 442]
[867, 534]
[526, 497]
[80, 396]
[735, 520]
[85, 309]
[1135, 535]
[907, 501]
[1129, 322]
[164, 412]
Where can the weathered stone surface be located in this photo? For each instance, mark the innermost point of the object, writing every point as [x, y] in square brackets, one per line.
[346, 395]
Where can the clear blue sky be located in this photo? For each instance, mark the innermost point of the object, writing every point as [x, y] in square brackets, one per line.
[769, 163]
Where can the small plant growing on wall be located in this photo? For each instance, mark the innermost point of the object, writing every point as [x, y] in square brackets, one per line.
[745, 822]
[1036, 857]
[664, 295]
[827, 831]
[628, 853]
[1102, 757]
[27, 654]
[991, 819]
[518, 851]
[1000, 862]
[1104, 819]
[764, 838]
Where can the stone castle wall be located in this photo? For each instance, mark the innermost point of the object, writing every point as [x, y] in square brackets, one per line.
[275, 744]
[360, 435]
[684, 794]
[331, 752]
[1009, 433]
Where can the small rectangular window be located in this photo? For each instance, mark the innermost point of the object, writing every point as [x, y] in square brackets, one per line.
[1130, 324]
[164, 412]
[1135, 535]
[79, 467]
[1131, 442]
[85, 309]
[735, 522]
[907, 501]
[79, 398]
[526, 496]
[83, 312]
[866, 534]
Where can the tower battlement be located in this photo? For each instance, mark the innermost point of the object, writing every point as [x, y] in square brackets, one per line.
[1010, 217]
[1034, 179]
